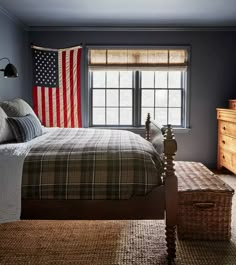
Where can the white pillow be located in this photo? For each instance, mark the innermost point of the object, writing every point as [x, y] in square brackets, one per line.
[17, 108]
[6, 134]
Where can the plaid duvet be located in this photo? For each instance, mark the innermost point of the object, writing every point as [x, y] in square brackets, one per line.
[90, 164]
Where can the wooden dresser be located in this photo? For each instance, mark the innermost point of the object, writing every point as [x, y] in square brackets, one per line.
[226, 139]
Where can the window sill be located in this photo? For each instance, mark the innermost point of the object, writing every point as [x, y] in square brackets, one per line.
[141, 129]
[182, 130]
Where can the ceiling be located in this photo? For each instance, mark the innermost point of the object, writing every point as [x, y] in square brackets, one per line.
[143, 13]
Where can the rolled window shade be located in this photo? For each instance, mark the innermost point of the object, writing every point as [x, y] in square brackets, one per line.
[177, 57]
[138, 58]
[117, 57]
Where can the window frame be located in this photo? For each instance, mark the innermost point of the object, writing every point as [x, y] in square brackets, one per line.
[137, 93]
[167, 89]
[91, 88]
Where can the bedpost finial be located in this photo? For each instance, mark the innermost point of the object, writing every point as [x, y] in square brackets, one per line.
[147, 126]
[169, 132]
[148, 121]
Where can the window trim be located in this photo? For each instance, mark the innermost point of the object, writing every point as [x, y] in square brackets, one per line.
[87, 118]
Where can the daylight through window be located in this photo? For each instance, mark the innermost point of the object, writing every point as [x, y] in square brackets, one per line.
[127, 84]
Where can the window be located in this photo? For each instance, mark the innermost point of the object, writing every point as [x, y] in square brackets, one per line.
[127, 84]
[161, 94]
[112, 97]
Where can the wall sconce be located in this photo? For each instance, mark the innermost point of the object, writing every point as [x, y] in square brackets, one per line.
[9, 70]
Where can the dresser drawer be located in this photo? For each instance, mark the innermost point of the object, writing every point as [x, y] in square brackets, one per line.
[227, 128]
[227, 159]
[227, 142]
[226, 115]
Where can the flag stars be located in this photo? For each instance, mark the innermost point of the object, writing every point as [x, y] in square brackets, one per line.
[46, 68]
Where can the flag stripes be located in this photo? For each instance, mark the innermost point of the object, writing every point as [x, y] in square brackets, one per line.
[60, 106]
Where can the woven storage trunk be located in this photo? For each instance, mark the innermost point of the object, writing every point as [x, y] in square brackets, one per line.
[205, 202]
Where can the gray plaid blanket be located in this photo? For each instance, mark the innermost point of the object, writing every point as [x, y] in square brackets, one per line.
[90, 164]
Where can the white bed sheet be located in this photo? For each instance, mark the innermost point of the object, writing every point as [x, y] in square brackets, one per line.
[11, 164]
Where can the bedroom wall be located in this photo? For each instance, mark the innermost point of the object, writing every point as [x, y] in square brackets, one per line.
[212, 83]
[14, 45]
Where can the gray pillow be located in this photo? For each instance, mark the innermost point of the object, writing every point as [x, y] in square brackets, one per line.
[17, 108]
[25, 128]
[157, 137]
[6, 134]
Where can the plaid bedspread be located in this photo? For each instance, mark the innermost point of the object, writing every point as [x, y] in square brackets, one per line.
[90, 164]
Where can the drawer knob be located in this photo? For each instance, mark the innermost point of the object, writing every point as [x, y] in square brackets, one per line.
[224, 128]
[204, 205]
[223, 141]
[223, 157]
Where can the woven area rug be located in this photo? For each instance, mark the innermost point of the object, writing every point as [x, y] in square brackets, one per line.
[106, 243]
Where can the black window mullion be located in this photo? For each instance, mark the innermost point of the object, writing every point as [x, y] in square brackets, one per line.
[105, 98]
[154, 111]
[92, 86]
[168, 94]
[137, 99]
[182, 98]
[118, 98]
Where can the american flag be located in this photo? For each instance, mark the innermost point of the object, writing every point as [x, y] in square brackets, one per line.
[56, 89]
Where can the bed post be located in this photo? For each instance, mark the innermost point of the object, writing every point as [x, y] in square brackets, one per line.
[171, 187]
[171, 192]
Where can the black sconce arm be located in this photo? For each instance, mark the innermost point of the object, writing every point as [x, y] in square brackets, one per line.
[4, 58]
[10, 70]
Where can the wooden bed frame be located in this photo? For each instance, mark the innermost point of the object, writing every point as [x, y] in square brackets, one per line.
[160, 203]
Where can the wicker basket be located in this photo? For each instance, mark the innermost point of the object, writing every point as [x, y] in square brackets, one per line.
[205, 202]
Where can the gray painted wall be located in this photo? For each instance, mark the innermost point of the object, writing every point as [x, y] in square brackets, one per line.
[14, 45]
[212, 83]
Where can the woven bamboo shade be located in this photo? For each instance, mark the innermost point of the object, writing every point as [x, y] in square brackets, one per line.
[138, 58]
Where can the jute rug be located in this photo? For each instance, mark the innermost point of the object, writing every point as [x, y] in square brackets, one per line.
[106, 243]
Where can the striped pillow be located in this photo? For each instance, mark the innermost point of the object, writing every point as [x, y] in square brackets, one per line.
[25, 128]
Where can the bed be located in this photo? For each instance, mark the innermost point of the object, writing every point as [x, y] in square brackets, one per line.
[64, 178]
[155, 200]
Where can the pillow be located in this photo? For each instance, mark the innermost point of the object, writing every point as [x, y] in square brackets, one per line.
[157, 137]
[6, 134]
[17, 108]
[25, 128]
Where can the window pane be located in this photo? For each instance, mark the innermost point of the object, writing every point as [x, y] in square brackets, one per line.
[99, 79]
[161, 79]
[161, 115]
[161, 98]
[144, 113]
[98, 116]
[126, 79]
[174, 79]
[148, 98]
[126, 98]
[98, 97]
[112, 79]
[112, 97]
[147, 79]
[175, 116]
[112, 116]
[175, 98]
[126, 116]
